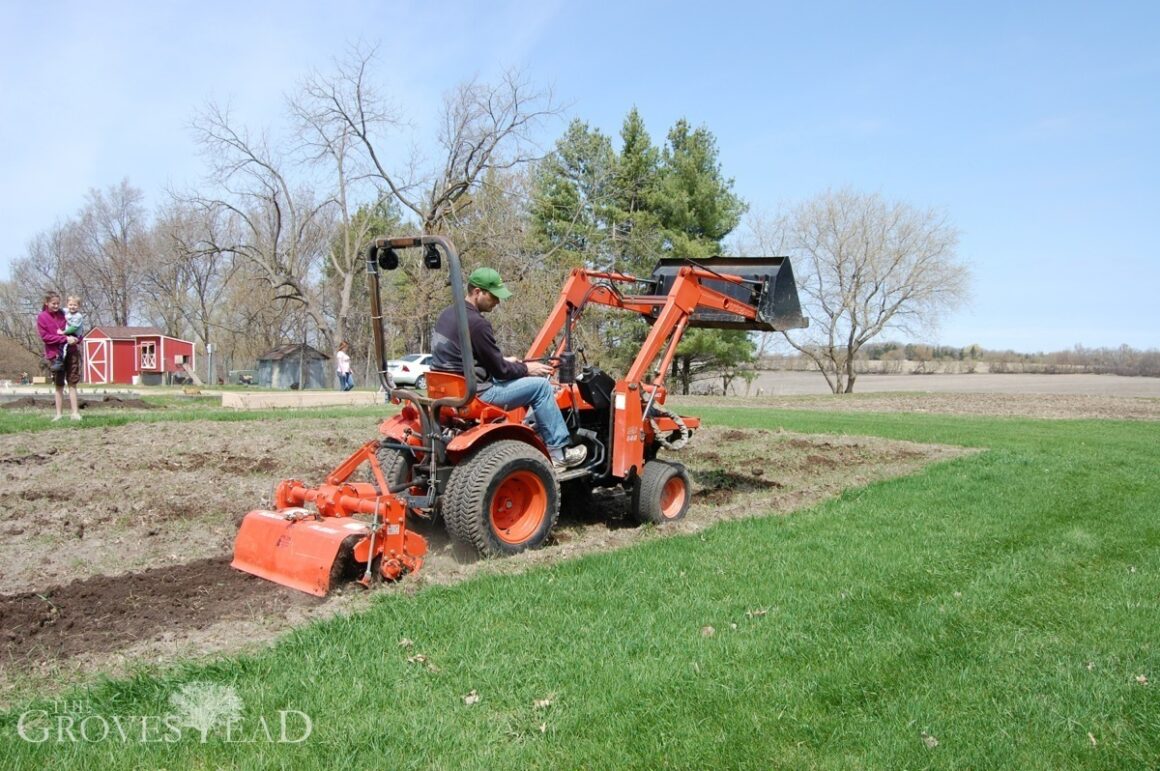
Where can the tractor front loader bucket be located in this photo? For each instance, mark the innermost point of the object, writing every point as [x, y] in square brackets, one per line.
[769, 287]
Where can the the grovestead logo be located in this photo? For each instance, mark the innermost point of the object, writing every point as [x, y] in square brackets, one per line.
[201, 706]
[200, 712]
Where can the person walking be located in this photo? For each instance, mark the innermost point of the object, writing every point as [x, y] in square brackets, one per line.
[342, 366]
[61, 352]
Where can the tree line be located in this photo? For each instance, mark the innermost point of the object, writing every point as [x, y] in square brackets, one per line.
[920, 358]
[269, 250]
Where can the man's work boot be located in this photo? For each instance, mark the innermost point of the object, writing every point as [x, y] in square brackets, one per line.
[573, 456]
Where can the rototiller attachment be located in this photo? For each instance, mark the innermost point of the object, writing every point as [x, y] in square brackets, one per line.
[310, 550]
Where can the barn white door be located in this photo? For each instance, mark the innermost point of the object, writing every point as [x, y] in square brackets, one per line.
[148, 355]
[98, 361]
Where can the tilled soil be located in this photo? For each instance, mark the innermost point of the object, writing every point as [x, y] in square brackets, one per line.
[115, 544]
[108, 613]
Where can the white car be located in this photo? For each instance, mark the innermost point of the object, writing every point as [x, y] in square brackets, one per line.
[411, 370]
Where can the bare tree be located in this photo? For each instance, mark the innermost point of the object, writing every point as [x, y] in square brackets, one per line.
[277, 225]
[864, 264]
[186, 276]
[49, 264]
[18, 311]
[162, 277]
[307, 247]
[111, 234]
[250, 320]
[97, 254]
[483, 128]
[330, 143]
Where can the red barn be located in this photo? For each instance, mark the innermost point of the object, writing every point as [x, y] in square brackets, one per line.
[135, 355]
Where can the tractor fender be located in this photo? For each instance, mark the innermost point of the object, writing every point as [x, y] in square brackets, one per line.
[488, 433]
[396, 427]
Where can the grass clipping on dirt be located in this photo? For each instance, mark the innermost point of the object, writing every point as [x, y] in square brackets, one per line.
[116, 544]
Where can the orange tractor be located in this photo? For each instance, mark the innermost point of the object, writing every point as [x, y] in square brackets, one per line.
[484, 470]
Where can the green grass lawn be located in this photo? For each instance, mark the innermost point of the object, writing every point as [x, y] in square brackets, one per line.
[996, 611]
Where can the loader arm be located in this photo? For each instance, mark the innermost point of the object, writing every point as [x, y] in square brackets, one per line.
[672, 311]
[670, 315]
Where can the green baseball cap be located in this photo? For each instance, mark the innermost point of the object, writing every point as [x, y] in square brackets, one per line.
[488, 280]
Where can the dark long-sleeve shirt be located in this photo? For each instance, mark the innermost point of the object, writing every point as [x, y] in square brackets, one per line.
[489, 361]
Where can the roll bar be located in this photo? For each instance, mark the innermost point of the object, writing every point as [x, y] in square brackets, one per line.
[381, 253]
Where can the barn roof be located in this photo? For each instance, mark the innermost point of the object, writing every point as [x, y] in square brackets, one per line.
[128, 333]
[283, 351]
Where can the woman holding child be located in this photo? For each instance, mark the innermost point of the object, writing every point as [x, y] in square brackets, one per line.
[61, 335]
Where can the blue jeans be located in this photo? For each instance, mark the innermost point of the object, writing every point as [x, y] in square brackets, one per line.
[537, 393]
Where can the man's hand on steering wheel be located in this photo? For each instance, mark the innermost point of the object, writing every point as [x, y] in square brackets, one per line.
[540, 368]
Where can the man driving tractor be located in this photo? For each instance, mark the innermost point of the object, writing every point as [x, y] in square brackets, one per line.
[504, 381]
[458, 453]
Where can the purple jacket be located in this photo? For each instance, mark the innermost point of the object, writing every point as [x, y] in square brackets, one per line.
[49, 324]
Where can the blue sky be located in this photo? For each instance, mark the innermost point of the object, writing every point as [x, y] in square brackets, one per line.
[1033, 125]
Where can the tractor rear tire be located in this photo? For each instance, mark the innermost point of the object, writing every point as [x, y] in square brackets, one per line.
[503, 499]
[661, 493]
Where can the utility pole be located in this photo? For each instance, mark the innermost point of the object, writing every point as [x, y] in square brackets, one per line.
[302, 358]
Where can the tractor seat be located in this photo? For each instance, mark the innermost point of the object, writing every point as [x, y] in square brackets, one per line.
[443, 385]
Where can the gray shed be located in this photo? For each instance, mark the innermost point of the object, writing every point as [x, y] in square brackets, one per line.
[293, 365]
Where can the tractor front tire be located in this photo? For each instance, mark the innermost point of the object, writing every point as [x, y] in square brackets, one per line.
[661, 493]
[503, 499]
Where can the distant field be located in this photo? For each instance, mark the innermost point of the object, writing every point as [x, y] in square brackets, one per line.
[791, 383]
